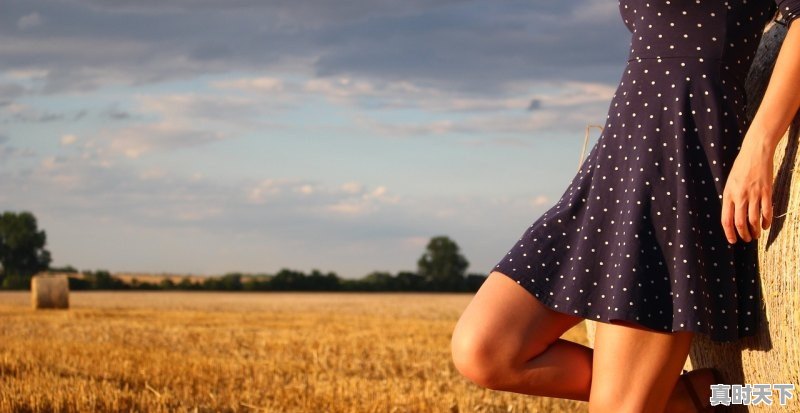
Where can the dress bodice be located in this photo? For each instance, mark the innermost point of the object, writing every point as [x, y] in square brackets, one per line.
[724, 31]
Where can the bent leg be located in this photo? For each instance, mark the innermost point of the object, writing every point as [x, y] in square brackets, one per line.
[635, 369]
[507, 340]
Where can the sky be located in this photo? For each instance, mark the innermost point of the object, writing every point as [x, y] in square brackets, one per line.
[207, 137]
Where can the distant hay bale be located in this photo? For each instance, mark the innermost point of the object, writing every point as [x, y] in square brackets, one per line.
[50, 291]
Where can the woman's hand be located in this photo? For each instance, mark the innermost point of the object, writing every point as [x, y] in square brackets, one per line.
[747, 197]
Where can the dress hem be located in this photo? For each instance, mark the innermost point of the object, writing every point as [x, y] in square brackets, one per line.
[628, 316]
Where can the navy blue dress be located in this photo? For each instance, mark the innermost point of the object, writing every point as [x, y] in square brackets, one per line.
[637, 235]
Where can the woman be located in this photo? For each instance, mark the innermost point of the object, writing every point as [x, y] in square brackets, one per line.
[644, 240]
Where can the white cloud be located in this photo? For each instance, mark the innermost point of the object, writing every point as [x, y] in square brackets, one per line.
[26, 73]
[16, 108]
[415, 129]
[362, 203]
[305, 189]
[254, 84]
[596, 11]
[48, 162]
[570, 93]
[385, 94]
[59, 171]
[561, 105]
[137, 140]
[285, 216]
[350, 198]
[68, 139]
[187, 120]
[29, 20]
[540, 201]
[152, 173]
[416, 241]
[266, 189]
[352, 187]
[197, 106]
[198, 213]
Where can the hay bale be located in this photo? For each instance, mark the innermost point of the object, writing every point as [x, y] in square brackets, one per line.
[773, 355]
[50, 291]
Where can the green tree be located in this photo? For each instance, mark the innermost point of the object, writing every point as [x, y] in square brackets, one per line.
[231, 281]
[103, 280]
[166, 284]
[288, 280]
[409, 281]
[22, 252]
[379, 281]
[67, 269]
[322, 282]
[442, 266]
[186, 284]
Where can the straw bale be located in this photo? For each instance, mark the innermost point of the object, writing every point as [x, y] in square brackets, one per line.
[49, 291]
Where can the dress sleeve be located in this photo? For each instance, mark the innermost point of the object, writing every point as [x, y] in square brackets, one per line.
[790, 9]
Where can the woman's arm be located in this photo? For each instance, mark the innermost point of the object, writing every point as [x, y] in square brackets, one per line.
[782, 96]
[747, 197]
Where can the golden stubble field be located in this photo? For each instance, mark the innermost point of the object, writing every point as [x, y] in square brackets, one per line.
[261, 352]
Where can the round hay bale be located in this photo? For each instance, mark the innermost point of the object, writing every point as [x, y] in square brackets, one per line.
[50, 291]
[772, 355]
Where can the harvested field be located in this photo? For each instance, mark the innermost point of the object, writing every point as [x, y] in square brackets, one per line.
[215, 351]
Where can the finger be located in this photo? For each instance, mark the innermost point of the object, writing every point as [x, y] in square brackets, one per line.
[727, 219]
[740, 219]
[766, 210]
[754, 217]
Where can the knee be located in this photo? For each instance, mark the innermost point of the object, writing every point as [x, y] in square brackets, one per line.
[476, 359]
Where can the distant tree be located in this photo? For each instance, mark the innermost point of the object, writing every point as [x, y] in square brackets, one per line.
[76, 283]
[442, 266]
[379, 281]
[287, 279]
[16, 282]
[351, 284]
[103, 280]
[256, 283]
[231, 282]
[166, 284]
[212, 283]
[322, 282]
[474, 281]
[409, 281]
[65, 269]
[22, 252]
[186, 284]
[144, 285]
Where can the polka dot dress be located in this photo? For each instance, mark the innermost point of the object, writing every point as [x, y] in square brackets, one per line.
[637, 235]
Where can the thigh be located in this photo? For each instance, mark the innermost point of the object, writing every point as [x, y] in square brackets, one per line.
[506, 323]
[634, 368]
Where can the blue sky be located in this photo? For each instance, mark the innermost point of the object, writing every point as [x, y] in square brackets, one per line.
[213, 136]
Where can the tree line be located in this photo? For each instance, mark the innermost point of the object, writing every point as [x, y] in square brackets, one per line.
[441, 267]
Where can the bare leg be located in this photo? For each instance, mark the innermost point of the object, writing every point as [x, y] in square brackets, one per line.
[507, 340]
[636, 369]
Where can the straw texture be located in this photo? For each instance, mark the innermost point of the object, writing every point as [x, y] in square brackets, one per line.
[49, 291]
